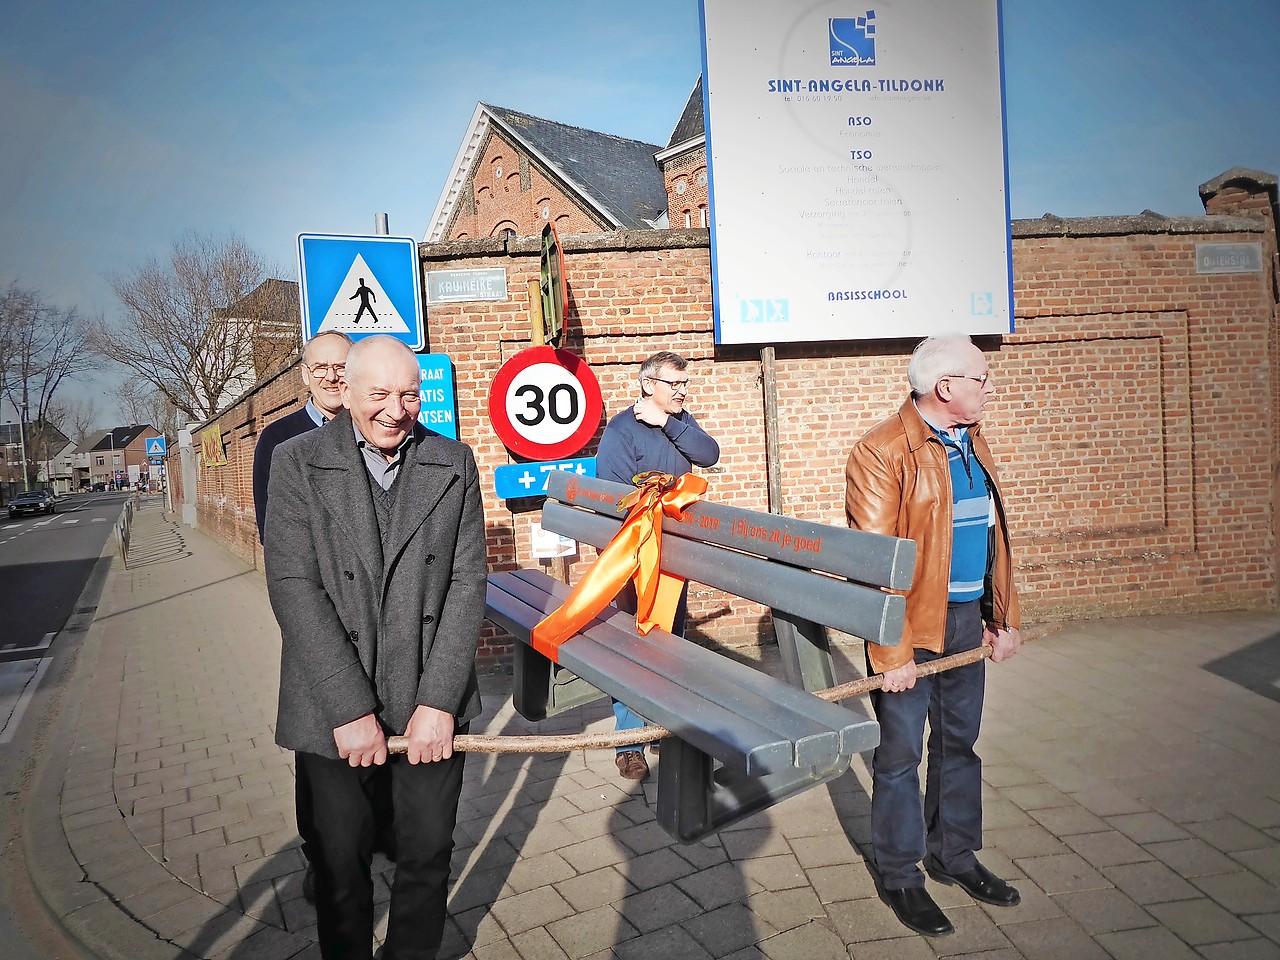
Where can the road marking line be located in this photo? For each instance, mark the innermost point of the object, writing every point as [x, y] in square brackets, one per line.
[72, 520]
[98, 520]
[24, 701]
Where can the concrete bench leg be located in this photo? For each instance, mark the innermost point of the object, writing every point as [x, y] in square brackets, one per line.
[696, 799]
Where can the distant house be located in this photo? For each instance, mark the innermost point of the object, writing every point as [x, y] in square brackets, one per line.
[119, 456]
[41, 443]
[253, 335]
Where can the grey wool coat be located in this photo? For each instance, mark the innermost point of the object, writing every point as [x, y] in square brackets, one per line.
[363, 632]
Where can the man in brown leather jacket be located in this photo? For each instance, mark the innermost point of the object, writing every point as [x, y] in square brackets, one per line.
[926, 474]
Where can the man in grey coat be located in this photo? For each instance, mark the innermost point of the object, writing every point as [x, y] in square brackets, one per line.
[375, 564]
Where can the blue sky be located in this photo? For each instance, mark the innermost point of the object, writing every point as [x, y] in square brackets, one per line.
[128, 124]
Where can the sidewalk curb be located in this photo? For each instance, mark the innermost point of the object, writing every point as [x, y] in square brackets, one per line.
[86, 909]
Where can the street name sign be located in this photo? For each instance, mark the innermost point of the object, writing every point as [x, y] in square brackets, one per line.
[361, 286]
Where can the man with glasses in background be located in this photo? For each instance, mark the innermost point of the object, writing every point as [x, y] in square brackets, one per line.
[926, 474]
[323, 363]
[656, 433]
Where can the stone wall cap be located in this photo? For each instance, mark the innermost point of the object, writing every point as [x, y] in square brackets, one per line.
[569, 243]
[1260, 180]
[1146, 222]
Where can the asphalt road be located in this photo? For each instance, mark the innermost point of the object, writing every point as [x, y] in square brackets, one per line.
[51, 573]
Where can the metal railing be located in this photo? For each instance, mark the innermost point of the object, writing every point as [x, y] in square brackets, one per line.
[123, 528]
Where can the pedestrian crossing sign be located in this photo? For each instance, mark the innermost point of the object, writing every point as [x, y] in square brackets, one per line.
[156, 446]
[361, 286]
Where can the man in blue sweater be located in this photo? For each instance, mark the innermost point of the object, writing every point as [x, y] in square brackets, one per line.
[655, 433]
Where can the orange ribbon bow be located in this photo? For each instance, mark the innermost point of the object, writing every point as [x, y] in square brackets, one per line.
[635, 553]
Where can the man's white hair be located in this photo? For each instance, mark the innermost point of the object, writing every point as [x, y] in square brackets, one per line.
[934, 358]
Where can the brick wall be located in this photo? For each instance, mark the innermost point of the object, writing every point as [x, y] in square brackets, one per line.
[1134, 417]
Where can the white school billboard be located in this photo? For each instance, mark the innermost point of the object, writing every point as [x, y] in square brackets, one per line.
[857, 169]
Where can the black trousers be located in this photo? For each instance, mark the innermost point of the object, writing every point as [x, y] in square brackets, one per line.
[344, 824]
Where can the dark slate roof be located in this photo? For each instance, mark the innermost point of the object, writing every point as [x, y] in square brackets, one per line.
[10, 434]
[691, 125]
[118, 438]
[616, 174]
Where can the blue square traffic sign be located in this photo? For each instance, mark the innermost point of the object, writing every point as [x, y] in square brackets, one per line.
[156, 446]
[361, 286]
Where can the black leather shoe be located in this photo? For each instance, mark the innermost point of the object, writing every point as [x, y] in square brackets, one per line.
[917, 911]
[981, 884]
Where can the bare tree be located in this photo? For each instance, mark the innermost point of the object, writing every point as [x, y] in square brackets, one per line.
[40, 347]
[75, 418]
[145, 404]
[189, 322]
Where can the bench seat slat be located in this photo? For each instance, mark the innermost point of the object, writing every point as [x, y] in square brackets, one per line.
[736, 687]
[861, 611]
[729, 676]
[720, 733]
[870, 558]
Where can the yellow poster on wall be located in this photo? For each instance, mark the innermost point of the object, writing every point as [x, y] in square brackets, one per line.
[211, 447]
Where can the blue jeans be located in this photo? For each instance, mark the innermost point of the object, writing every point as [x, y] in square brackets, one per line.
[947, 828]
[623, 716]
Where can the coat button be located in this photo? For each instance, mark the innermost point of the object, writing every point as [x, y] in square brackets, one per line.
[348, 574]
[428, 618]
[431, 558]
[354, 635]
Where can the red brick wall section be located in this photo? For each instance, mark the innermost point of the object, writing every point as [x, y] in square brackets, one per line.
[511, 191]
[1134, 419]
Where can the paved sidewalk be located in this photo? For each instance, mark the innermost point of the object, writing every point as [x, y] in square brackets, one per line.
[1132, 775]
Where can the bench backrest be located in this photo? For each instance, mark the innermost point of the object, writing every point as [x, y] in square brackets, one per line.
[830, 575]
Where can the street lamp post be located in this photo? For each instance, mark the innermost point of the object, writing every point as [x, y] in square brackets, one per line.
[22, 445]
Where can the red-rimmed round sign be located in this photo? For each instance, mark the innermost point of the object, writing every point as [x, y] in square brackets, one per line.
[545, 404]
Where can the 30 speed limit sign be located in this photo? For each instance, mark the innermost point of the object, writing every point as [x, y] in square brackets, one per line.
[545, 404]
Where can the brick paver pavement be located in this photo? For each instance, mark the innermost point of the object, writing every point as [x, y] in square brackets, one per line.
[1132, 773]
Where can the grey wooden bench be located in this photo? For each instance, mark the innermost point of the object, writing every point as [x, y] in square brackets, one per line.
[743, 740]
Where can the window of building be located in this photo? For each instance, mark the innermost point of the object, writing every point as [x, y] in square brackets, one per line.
[702, 178]
[681, 186]
[702, 216]
[687, 220]
[102, 461]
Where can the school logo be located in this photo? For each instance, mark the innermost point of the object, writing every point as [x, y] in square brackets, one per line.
[853, 41]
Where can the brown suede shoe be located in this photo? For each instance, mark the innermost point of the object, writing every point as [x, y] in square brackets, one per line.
[632, 766]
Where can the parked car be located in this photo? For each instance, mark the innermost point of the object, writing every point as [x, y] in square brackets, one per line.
[99, 488]
[33, 501]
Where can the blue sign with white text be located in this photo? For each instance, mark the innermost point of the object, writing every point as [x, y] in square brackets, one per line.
[530, 479]
[439, 412]
[360, 286]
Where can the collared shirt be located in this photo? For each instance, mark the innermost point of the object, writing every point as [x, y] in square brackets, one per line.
[972, 515]
[384, 473]
[318, 418]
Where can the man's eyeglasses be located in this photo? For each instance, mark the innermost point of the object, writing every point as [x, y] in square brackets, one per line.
[981, 381]
[673, 384]
[321, 370]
